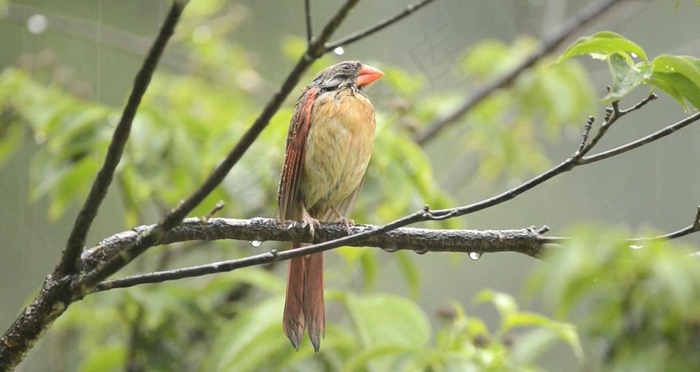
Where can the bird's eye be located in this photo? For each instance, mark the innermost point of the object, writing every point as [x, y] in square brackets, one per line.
[345, 67]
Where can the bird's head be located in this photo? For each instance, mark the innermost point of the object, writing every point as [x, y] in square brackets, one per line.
[348, 74]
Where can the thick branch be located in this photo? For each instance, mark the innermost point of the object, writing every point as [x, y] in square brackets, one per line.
[265, 229]
[526, 241]
[585, 16]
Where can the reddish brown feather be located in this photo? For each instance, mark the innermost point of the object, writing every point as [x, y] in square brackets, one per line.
[293, 320]
[288, 208]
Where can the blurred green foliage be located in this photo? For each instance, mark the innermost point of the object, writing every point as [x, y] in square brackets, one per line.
[638, 301]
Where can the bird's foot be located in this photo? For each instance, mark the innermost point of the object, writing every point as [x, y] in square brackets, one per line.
[345, 221]
[307, 220]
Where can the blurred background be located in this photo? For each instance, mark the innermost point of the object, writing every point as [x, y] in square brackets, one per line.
[77, 60]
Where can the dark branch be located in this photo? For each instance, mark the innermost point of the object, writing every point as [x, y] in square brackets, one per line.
[612, 114]
[526, 241]
[584, 16]
[264, 229]
[411, 8]
[695, 227]
[309, 30]
[83, 221]
[642, 141]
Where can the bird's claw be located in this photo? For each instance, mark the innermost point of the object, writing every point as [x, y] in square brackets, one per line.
[307, 220]
[345, 221]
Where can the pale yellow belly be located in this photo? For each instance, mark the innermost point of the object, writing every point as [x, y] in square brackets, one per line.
[338, 150]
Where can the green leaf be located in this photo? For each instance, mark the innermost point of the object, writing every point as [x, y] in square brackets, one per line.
[388, 320]
[237, 347]
[601, 45]
[679, 77]
[626, 77]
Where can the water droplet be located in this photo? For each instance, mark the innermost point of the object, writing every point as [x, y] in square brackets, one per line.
[255, 243]
[636, 246]
[474, 255]
[634, 55]
[339, 51]
[37, 23]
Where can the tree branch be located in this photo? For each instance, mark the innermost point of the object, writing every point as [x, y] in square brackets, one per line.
[410, 8]
[526, 241]
[642, 141]
[265, 229]
[584, 16]
[98, 191]
[309, 31]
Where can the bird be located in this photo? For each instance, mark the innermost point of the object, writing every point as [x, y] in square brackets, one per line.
[329, 145]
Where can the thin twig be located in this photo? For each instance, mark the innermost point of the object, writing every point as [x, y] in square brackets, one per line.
[84, 219]
[612, 114]
[410, 8]
[309, 31]
[642, 141]
[582, 18]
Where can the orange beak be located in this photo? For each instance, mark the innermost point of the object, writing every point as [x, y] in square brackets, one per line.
[367, 75]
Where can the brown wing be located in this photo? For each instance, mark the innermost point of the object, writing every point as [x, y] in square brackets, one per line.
[288, 205]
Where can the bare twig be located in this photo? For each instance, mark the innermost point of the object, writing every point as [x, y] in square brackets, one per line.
[691, 229]
[584, 16]
[309, 30]
[612, 114]
[410, 8]
[642, 141]
[83, 221]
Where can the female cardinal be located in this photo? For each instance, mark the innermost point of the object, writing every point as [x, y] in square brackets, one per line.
[328, 148]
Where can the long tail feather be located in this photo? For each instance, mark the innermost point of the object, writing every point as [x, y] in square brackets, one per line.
[313, 305]
[293, 315]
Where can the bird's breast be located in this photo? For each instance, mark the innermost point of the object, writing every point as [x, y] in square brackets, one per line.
[338, 148]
